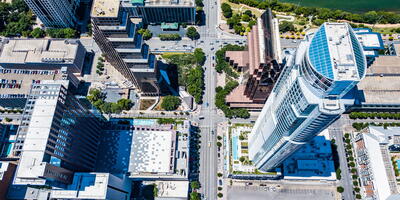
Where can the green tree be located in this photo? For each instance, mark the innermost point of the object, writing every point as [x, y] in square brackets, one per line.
[199, 3]
[246, 18]
[125, 104]
[115, 108]
[200, 56]
[105, 107]
[340, 189]
[146, 34]
[220, 195]
[192, 33]
[249, 13]
[286, 26]
[195, 196]
[38, 33]
[252, 23]
[219, 144]
[170, 103]
[242, 159]
[69, 33]
[194, 185]
[219, 174]
[226, 10]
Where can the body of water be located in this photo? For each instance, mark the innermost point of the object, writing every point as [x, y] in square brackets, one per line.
[351, 5]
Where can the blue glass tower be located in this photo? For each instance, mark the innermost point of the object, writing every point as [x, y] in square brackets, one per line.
[309, 94]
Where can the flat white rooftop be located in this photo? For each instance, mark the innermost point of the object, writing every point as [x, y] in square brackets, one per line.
[105, 8]
[22, 51]
[85, 186]
[341, 51]
[369, 40]
[173, 189]
[152, 152]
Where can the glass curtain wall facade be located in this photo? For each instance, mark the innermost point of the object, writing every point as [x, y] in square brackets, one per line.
[308, 95]
[55, 13]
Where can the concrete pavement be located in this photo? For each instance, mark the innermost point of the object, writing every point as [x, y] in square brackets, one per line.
[336, 132]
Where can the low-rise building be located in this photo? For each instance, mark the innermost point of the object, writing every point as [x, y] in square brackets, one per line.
[24, 62]
[42, 54]
[377, 177]
[159, 153]
[379, 90]
[172, 190]
[259, 62]
[95, 186]
[313, 161]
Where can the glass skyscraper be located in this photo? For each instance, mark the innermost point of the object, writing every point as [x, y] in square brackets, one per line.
[309, 94]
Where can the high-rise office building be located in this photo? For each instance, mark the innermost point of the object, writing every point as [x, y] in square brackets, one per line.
[55, 13]
[309, 94]
[116, 33]
[58, 135]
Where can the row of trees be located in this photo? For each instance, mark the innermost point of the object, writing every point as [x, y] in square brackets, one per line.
[97, 98]
[172, 36]
[370, 17]
[220, 103]
[54, 33]
[100, 66]
[222, 65]
[374, 115]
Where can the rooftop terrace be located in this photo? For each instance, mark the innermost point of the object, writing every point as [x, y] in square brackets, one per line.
[105, 8]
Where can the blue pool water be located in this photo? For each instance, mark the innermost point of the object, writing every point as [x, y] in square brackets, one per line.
[398, 164]
[235, 147]
[144, 122]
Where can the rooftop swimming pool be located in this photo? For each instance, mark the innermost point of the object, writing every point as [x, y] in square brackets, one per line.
[144, 122]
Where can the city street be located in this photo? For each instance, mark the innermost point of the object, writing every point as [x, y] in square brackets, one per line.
[336, 131]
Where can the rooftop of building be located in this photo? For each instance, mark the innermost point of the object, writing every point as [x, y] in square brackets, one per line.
[19, 82]
[85, 186]
[144, 149]
[386, 64]
[25, 51]
[105, 8]
[378, 161]
[169, 3]
[152, 151]
[172, 189]
[31, 168]
[312, 161]
[380, 89]
[336, 53]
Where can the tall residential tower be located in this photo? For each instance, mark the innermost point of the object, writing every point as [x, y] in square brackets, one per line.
[309, 94]
[117, 35]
